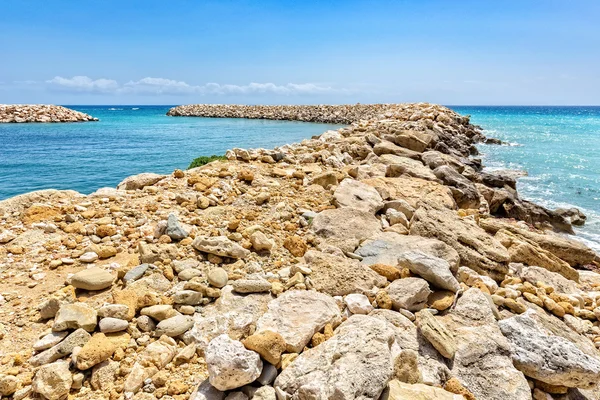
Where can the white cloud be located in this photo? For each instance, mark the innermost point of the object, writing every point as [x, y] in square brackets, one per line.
[162, 86]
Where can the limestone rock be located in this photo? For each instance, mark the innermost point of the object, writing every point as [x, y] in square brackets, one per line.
[297, 315]
[386, 247]
[331, 369]
[251, 286]
[75, 316]
[230, 365]
[49, 340]
[156, 356]
[206, 391]
[548, 358]
[358, 303]
[434, 269]
[140, 181]
[159, 312]
[76, 339]
[404, 391]
[339, 276]
[437, 334]
[53, 381]
[354, 194]
[399, 166]
[174, 326]
[174, 229]
[409, 293]
[260, 242]
[108, 325]
[268, 344]
[476, 248]
[220, 246]
[413, 191]
[103, 375]
[8, 385]
[99, 348]
[345, 227]
[92, 279]
[217, 277]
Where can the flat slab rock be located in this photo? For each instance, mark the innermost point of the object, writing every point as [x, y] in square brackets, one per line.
[356, 363]
[297, 315]
[345, 227]
[220, 246]
[354, 194]
[548, 358]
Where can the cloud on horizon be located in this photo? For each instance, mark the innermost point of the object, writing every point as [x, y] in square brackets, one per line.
[163, 86]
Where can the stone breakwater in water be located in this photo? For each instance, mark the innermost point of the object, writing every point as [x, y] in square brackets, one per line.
[375, 261]
[20, 113]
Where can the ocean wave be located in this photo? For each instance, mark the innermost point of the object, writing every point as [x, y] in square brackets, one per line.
[115, 109]
[135, 108]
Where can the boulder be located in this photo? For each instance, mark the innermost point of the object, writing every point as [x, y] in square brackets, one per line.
[339, 276]
[476, 248]
[345, 227]
[387, 147]
[354, 194]
[554, 279]
[434, 269]
[140, 181]
[356, 363]
[412, 139]
[404, 391]
[413, 191]
[409, 293]
[75, 316]
[220, 246]
[53, 381]
[386, 247]
[399, 166]
[92, 279]
[548, 358]
[99, 348]
[230, 365]
[297, 315]
[436, 333]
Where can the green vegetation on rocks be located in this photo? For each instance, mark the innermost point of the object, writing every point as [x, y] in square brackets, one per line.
[203, 160]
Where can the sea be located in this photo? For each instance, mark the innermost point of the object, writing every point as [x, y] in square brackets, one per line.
[559, 147]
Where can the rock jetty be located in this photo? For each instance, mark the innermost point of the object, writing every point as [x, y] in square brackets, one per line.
[22, 113]
[374, 261]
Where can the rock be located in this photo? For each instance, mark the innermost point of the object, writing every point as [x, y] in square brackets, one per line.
[406, 367]
[339, 276]
[476, 248]
[120, 311]
[174, 326]
[358, 303]
[334, 228]
[404, 391]
[402, 166]
[108, 325]
[145, 323]
[413, 191]
[331, 369]
[251, 285]
[75, 316]
[156, 356]
[49, 340]
[53, 381]
[437, 334]
[548, 358]
[217, 277]
[189, 297]
[390, 272]
[88, 257]
[268, 344]
[140, 181]
[325, 179]
[8, 385]
[354, 194]
[136, 273]
[265, 393]
[230, 365]
[434, 269]
[206, 391]
[386, 147]
[268, 374]
[99, 348]
[409, 293]
[219, 246]
[260, 242]
[295, 245]
[555, 280]
[464, 191]
[92, 279]
[159, 312]
[103, 375]
[483, 353]
[386, 247]
[174, 230]
[441, 300]
[297, 315]
[76, 339]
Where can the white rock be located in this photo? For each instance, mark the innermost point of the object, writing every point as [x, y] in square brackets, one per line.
[53, 381]
[358, 303]
[434, 269]
[230, 365]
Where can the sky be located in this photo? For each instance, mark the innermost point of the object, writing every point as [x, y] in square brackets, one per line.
[453, 52]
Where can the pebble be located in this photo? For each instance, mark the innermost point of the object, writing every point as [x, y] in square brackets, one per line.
[145, 323]
[188, 297]
[108, 325]
[88, 257]
[92, 279]
[174, 326]
[218, 277]
[136, 273]
[251, 286]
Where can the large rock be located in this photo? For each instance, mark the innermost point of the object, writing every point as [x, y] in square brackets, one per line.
[53, 381]
[230, 365]
[354, 194]
[412, 139]
[434, 269]
[220, 246]
[436, 333]
[99, 348]
[76, 339]
[155, 357]
[413, 191]
[140, 181]
[339, 276]
[356, 363]
[464, 191]
[387, 147]
[404, 391]
[409, 293]
[386, 247]
[92, 279]
[399, 166]
[554, 279]
[232, 313]
[548, 358]
[297, 315]
[345, 227]
[482, 361]
[75, 316]
[477, 249]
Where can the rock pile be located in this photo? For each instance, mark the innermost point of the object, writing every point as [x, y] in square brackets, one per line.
[375, 261]
[21, 113]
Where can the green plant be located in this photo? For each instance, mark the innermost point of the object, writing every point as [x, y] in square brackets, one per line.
[203, 160]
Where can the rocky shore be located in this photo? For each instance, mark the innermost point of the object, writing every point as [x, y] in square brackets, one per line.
[374, 261]
[22, 113]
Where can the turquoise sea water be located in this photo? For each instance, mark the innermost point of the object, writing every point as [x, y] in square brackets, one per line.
[559, 147]
[126, 141]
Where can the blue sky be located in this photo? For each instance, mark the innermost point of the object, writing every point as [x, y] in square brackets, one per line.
[159, 52]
